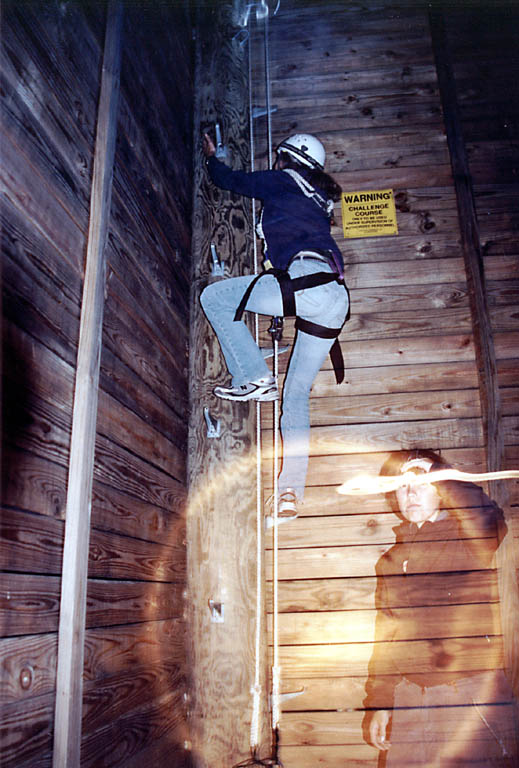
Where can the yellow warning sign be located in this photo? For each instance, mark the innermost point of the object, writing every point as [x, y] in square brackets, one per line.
[369, 213]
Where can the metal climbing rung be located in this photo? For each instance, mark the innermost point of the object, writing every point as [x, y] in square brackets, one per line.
[269, 352]
[292, 695]
[276, 329]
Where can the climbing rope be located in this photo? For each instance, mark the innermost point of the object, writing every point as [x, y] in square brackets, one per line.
[276, 335]
[256, 688]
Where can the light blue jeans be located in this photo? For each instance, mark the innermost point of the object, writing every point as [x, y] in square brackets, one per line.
[325, 304]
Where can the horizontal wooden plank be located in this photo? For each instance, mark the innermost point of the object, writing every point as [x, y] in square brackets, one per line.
[136, 477]
[143, 348]
[28, 538]
[51, 316]
[330, 756]
[108, 652]
[160, 719]
[504, 319]
[352, 659]
[359, 593]
[326, 728]
[28, 730]
[357, 149]
[123, 383]
[408, 297]
[41, 315]
[325, 473]
[52, 379]
[439, 245]
[79, 146]
[36, 42]
[332, 86]
[408, 350]
[48, 216]
[402, 323]
[30, 723]
[111, 602]
[113, 510]
[36, 485]
[396, 273]
[46, 434]
[27, 667]
[354, 409]
[506, 345]
[121, 557]
[349, 561]
[39, 486]
[418, 378]
[129, 691]
[39, 540]
[30, 603]
[428, 623]
[360, 529]
[393, 436]
[347, 693]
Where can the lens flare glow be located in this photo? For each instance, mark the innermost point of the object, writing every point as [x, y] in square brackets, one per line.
[364, 485]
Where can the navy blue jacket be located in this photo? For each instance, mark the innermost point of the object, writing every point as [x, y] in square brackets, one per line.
[291, 221]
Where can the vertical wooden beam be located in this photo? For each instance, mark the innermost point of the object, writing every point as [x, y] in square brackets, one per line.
[67, 726]
[482, 332]
[221, 521]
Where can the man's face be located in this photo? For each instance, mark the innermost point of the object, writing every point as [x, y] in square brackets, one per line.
[418, 501]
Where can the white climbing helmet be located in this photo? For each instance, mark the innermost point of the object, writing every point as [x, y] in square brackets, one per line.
[304, 148]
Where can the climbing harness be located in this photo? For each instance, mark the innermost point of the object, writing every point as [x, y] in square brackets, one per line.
[288, 286]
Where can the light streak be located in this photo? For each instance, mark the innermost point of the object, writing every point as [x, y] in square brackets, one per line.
[364, 485]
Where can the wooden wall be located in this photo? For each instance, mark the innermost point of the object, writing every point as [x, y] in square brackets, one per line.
[489, 112]
[362, 77]
[135, 669]
[222, 514]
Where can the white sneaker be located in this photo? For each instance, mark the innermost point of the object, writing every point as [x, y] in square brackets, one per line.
[264, 389]
[287, 508]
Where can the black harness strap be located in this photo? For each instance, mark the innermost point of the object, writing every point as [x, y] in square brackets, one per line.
[244, 299]
[288, 287]
[323, 332]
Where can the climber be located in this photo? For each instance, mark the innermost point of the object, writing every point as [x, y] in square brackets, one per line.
[303, 277]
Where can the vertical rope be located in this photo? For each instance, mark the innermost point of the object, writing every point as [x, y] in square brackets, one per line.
[276, 671]
[256, 688]
[267, 89]
[276, 678]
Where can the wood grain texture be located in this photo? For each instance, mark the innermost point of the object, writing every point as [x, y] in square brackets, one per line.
[51, 62]
[351, 561]
[328, 728]
[359, 593]
[222, 475]
[352, 659]
[347, 693]
[309, 628]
